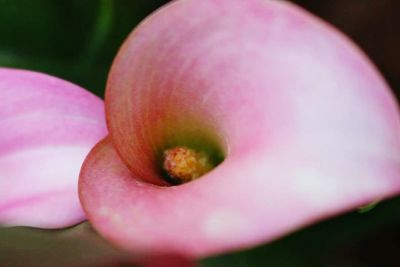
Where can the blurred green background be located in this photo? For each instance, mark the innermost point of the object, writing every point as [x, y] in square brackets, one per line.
[77, 40]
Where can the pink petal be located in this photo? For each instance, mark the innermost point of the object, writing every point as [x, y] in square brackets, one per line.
[47, 126]
[309, 127]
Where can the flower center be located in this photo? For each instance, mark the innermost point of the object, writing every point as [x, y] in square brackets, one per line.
[183, 164]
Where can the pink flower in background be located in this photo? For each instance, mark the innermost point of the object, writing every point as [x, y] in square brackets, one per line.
[47, 127]
[297, 122]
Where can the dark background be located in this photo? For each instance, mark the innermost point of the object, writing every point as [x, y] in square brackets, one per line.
[78, 39]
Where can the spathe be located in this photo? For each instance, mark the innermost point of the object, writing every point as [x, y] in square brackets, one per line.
[308, 127]
[47, 127]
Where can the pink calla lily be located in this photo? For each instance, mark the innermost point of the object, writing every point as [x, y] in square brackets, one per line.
[47, 127]
[307, 127]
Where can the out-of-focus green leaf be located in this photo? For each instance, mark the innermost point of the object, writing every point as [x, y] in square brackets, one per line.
[75, 40]
[369, 207]
[79, 246]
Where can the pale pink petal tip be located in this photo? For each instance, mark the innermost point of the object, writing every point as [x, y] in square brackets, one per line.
[47, 127]
[309, 127]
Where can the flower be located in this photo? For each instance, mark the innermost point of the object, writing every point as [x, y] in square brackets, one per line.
[47, 128]
[297, 122]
